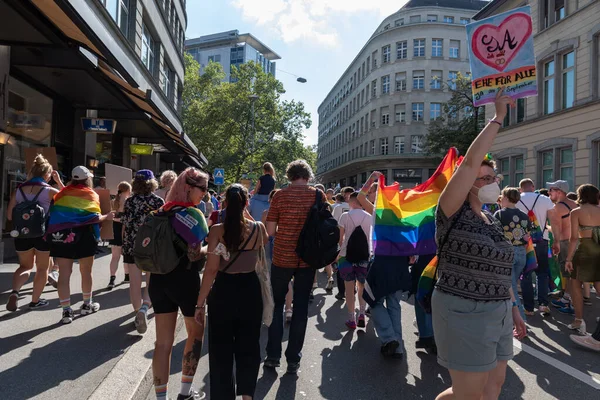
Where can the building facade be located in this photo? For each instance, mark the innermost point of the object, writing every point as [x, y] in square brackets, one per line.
[63, 61]
[377, 115]
[231, 49]
[556, 135]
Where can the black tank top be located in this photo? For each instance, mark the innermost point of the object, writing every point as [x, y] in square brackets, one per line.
[267, 184]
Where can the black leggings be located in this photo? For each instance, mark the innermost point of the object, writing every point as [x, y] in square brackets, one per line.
[234, 322]
[596, 334]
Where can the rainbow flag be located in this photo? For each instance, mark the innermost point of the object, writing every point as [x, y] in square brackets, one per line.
[425, 286]
[188, 222]
[74, 206]
[530, 258]
[405, 219]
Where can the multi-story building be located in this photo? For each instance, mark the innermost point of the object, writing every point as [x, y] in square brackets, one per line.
[109, 60]
[556, 135]
[376, 116]
[229, 49]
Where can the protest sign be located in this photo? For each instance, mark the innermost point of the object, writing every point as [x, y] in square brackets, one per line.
[115, 175]
[106, 228]
[501, 55]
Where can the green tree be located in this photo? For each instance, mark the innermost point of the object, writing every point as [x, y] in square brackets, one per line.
[241, 124]
[460, 122]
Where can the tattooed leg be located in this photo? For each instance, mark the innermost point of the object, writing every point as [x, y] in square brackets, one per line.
[191, 354]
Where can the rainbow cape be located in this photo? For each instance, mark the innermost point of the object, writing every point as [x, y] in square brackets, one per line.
[188, 222]
[405, 219]
[74, 206]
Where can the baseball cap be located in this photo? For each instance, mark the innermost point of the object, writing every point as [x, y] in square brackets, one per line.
[144, 175]
[560, 185]
[80, 173]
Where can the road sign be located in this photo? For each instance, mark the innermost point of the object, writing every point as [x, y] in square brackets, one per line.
[98, 125]
[219, 176]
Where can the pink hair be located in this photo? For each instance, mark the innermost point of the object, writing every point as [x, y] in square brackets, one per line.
[179, 190]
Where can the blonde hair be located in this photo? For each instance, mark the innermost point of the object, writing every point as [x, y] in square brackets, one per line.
[41, 167]
[268, 168]
[122, 188]
[167, 178]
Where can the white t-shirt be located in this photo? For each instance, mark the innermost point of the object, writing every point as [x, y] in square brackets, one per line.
[350, 220]
[339, 209]
[541, 208]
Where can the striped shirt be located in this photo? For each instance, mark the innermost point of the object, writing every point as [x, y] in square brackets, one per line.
[289, 209]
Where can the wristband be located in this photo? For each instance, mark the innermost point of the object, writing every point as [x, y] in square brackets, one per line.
[515, 304]
[200, 306]
[493, 121]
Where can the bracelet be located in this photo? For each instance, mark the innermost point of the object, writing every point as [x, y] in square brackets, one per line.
[493, 121]
[200, 306]
[515, 304]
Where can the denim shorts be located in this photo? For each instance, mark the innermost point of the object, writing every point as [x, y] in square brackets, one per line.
[472, 336]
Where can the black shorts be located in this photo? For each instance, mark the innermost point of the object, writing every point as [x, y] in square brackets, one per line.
[39, 244]
[128, 259]
[73, 244]
[117, 239]
[178, 289]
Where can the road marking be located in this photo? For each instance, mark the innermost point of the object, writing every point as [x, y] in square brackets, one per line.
[567, 369]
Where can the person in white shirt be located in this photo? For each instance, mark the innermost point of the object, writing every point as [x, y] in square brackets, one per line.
[543, 208]
[354, 270]
[344, 207]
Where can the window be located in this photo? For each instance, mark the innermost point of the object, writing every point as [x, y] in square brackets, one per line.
[559, 9]
[385, 84]
[385, 28]
[435, 111]
[568, 80]
[416, 144]
[449, 20]
[374, 59]
[512, 169]
[437, 48]
[549, 88]
[455, 49]
[432, 18]
[415, 19]
[386, 53]
[215, 58]
[418, 80]
[384, 145]
[548, 166]
[465, 21]
[566, 165]
[399, 22]
[119, 11]
[402, 50]
[417, 111]
[452, 77]
[372, 147]
[373, 89]
[400, 110]
[368, 64]
[166, 75]
[385, 118]
[519, 169]
[504, 165]
[436, 79]
[147, 49]
[520, 110]
[550, 16]
[398, 144]
[419, 48]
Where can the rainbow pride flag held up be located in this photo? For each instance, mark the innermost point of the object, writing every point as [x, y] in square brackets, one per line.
[74, 206]
[405, 219]
[189, 223]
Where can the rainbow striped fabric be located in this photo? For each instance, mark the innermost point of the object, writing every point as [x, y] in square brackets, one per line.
[425, 286]
[405, 219]
[530, 258]
[74, 206]
[188, 222]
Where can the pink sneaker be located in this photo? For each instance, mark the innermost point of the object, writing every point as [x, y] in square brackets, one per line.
[351, 324]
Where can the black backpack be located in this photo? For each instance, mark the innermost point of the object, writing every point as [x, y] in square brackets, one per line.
[29, 217]
[318, 243]
[357, 249]
[158, 249]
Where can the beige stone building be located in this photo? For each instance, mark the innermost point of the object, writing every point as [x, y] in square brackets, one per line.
[556, 135]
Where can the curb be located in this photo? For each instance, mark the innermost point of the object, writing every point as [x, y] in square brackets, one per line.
[131, 377]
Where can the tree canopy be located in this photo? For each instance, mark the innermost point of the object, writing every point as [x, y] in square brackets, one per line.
[239, 125]
[460, 122]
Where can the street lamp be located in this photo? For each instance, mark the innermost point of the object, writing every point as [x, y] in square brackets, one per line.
[298, 78]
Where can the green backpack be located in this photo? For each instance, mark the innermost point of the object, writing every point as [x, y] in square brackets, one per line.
[157, 248]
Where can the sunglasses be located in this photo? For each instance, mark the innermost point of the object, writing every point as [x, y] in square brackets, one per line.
[203, 188]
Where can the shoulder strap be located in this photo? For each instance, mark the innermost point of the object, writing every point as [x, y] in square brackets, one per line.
[237, 254]
[35, 198]
[535, 202]
[524, 205]
[566, 205]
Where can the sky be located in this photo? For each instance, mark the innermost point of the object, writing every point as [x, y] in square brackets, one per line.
[316, 39]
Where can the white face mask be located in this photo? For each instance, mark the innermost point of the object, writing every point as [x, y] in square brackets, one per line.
[488, 194]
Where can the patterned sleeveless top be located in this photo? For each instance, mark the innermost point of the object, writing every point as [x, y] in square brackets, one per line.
[476, 261]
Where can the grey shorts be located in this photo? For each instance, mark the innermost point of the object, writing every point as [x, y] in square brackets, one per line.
[471, 336]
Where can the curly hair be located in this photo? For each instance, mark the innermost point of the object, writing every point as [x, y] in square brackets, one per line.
[139, 186]
[167, 178]
[299, 169]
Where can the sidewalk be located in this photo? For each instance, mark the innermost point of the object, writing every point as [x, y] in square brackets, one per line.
[42, 359]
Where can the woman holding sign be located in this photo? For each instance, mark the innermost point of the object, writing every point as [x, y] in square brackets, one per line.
[473, 304]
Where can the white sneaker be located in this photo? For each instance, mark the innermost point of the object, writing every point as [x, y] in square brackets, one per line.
[586, 341]
[140, 322]
[579, 326]
[89, 308]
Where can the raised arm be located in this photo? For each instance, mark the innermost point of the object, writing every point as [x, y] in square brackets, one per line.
[460, 184]
[362, 195]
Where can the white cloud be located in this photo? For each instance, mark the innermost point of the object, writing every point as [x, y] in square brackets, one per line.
[310, 20]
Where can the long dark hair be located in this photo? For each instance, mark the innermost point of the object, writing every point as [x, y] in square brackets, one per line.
[236, 197]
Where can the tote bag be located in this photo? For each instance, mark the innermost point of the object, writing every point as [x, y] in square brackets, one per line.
[264, 276]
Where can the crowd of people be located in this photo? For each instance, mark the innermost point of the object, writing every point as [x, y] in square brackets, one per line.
[476, 310]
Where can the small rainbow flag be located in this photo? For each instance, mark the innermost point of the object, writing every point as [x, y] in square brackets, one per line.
[405, 219]
[530, 258]
[74, 206]
[188, 222]
[425, 286]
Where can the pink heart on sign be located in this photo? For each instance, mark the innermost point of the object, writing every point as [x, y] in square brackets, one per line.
[496, 46]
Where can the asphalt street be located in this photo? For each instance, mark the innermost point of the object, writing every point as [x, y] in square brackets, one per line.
[41, 359]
